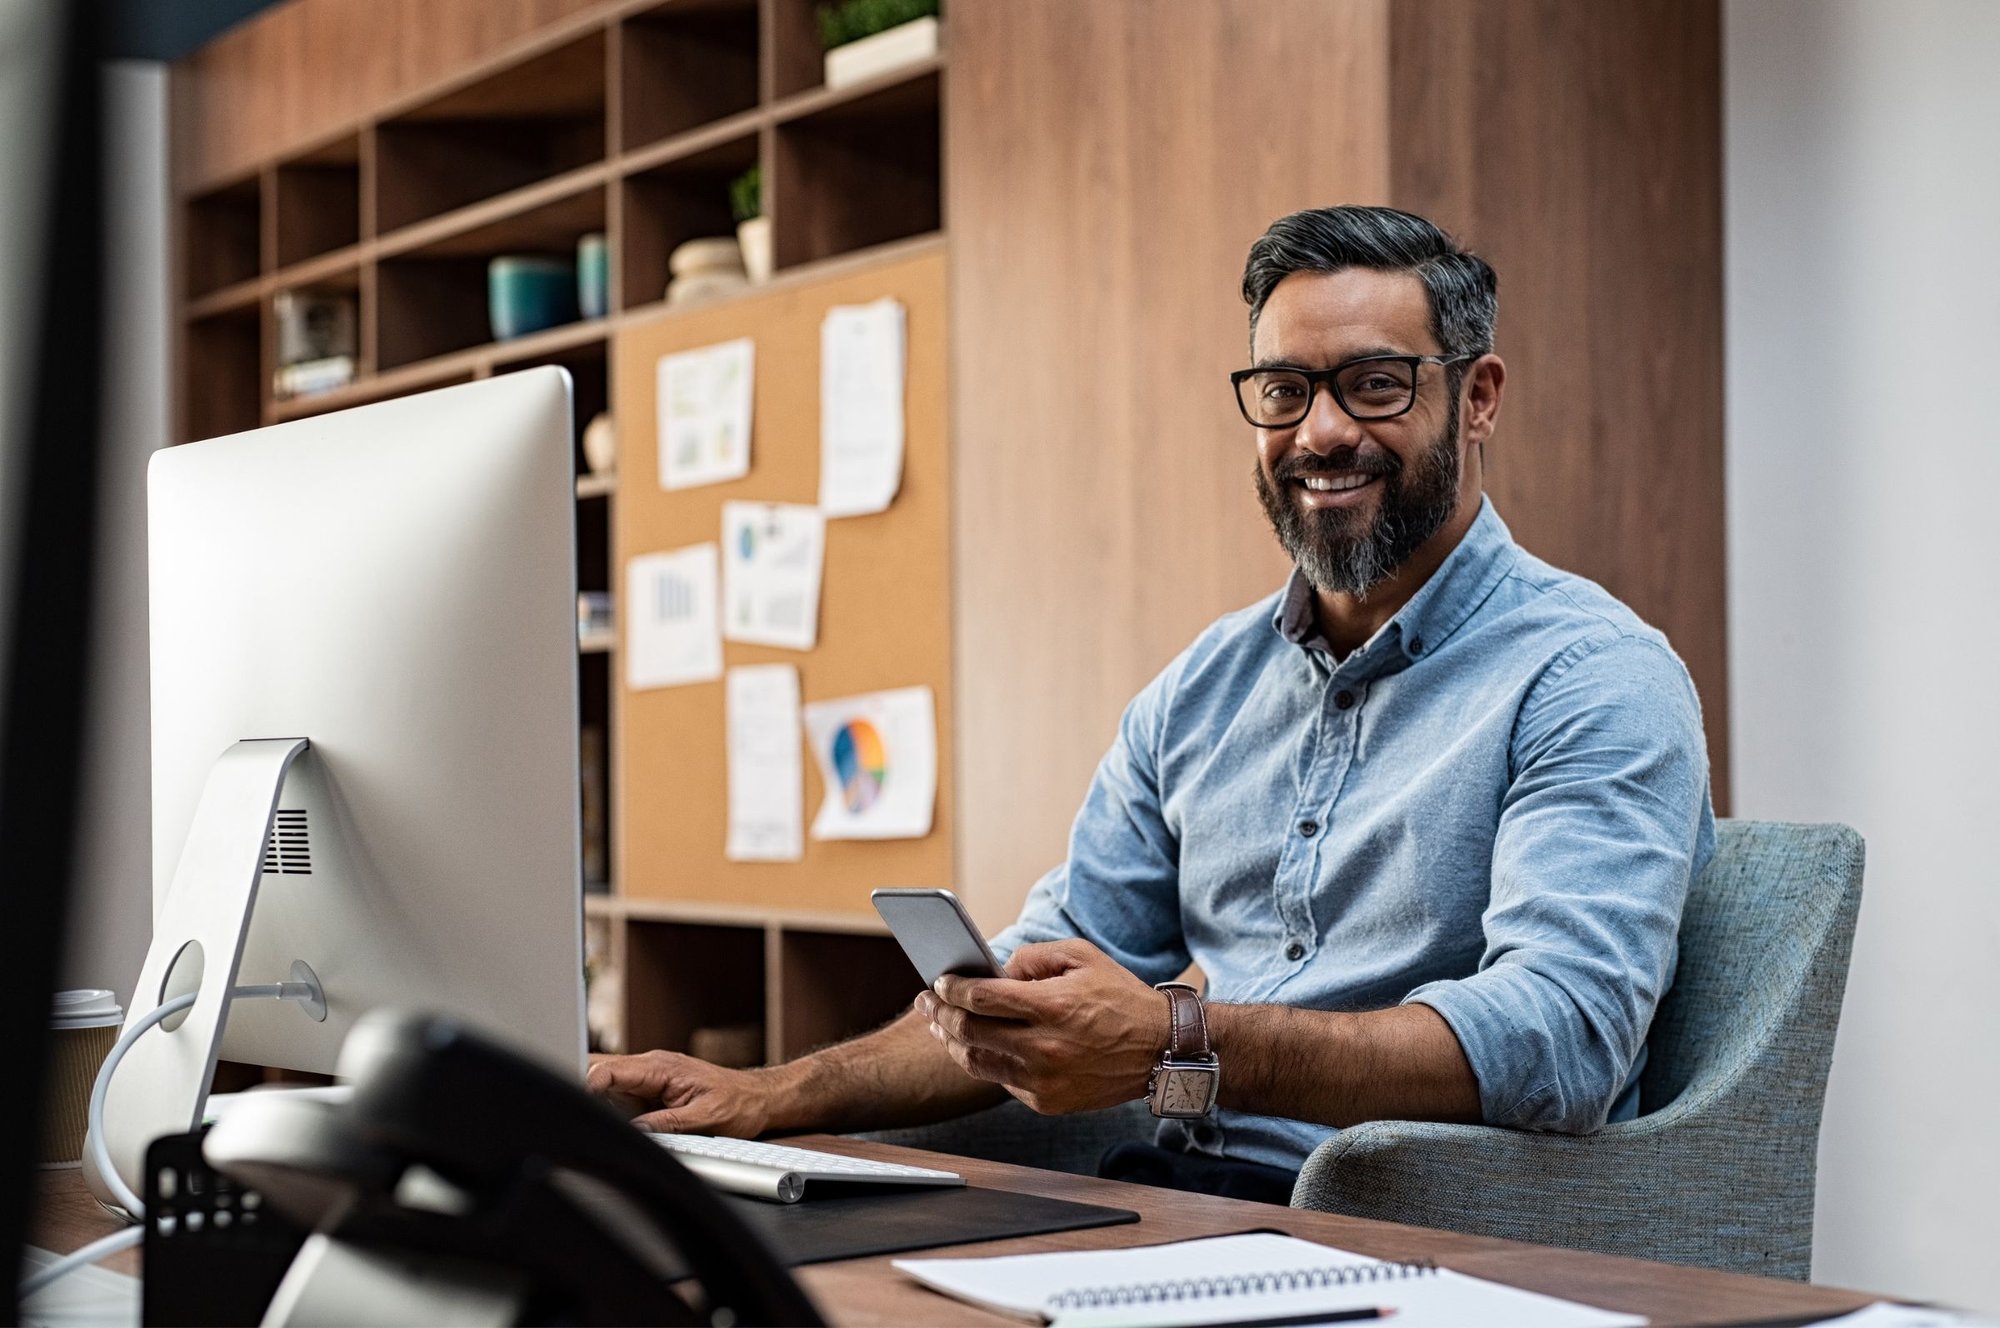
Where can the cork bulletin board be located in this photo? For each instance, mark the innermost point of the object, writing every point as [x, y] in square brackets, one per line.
[885, 609]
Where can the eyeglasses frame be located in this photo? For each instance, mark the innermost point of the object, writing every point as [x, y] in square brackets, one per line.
[1315, 377]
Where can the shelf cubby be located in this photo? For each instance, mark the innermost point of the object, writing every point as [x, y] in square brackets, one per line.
[317, 198]
[683, 976]
[684, 64]
[225, 362]
[857, 167]
[534, 120]
[432, 300]
[223, 237]
[681, 199]
[428, 307]
[838, 984]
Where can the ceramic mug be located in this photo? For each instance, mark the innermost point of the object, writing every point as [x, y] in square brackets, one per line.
[529, 293]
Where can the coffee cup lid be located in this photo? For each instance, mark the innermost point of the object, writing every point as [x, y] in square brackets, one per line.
[91, 1007]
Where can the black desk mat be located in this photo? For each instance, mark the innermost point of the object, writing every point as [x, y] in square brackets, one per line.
[850, 1224]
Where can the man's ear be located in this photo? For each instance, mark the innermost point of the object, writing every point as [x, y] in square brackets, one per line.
[1485, 383]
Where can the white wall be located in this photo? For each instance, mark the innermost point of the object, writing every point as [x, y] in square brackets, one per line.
[1863, 308]
[111, 915]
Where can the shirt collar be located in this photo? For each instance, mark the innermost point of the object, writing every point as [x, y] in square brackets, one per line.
[1439, 608]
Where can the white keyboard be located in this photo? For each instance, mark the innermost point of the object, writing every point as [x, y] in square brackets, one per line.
[780, 1173]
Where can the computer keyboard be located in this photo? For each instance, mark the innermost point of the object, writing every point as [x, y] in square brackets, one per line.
[780, 1172]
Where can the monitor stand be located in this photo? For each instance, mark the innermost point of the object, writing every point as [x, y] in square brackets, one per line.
[161, 1087]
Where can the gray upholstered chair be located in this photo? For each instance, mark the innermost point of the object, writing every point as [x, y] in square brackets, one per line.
[1718, 1167]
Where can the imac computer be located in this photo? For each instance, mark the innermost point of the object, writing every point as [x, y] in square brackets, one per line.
[365, 755]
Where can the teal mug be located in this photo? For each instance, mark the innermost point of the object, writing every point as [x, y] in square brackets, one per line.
[529, 293]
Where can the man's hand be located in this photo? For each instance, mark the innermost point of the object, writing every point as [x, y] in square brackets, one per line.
[1068, 1029]
[675, 1094]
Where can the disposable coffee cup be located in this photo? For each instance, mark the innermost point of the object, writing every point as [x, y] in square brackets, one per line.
[84, 1026]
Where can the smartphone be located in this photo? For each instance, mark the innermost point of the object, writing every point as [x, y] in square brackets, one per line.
[936, 933]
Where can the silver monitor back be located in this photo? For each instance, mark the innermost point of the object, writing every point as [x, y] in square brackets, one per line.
[395, 584]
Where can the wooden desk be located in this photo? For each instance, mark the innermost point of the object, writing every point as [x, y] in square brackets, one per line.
[869, 1291]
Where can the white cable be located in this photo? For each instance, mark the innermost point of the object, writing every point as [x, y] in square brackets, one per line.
[100, 1151]
[102, 1247]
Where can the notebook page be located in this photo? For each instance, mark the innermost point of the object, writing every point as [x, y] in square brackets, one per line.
[1026, 1284]
[1450, 1299]
[1442, 1299]
[1031, 1285]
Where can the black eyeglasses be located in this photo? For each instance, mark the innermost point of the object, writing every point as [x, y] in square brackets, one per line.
[1379, 387]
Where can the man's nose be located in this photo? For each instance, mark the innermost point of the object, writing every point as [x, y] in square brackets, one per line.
[1326, 426]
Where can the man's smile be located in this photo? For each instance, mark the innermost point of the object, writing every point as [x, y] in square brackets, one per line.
[1325, 489]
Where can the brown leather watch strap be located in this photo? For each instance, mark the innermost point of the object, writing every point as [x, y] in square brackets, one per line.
[1188, 1022]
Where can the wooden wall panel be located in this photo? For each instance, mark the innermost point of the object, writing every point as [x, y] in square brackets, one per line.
[1578, 147]
[310, 68]
[1108, 166]
[885, 618]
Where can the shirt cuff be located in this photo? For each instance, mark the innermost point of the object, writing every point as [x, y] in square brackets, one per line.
[1511, 1048]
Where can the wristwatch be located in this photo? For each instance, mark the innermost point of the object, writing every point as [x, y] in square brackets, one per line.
[1184, 1084]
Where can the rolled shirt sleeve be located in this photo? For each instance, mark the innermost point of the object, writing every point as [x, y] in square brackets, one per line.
[1120, 887]
[1601, 830]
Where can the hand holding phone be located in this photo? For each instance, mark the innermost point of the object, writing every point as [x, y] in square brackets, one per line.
[936, 933]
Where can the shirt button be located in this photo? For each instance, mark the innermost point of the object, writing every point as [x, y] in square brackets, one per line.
[1295, 952]
[1343, 700]
[1416, 645]
[1308, 828]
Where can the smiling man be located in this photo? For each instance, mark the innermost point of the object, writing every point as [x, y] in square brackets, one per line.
[1424, 819]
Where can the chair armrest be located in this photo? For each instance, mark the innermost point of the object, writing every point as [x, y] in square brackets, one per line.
[1626, 1189]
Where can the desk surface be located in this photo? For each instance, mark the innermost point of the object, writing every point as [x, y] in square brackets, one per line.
[869, 1291]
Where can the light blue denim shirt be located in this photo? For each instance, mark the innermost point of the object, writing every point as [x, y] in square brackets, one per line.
[1493, 807]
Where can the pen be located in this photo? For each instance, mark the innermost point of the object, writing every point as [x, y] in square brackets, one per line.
[1287, 1321]
[1282, 1321]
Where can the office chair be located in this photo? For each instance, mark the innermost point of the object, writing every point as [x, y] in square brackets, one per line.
[1718, 1168]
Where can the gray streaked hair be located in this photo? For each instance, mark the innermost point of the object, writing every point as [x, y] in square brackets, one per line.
[1461, 287]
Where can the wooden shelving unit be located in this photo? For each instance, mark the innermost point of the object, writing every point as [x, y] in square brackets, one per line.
[630, 119]
[528, 156]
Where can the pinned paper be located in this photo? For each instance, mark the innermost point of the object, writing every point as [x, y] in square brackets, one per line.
[767, 781]
[861, 353]
[877, 756]
[772, 555]
[672, 635]
[704, 409]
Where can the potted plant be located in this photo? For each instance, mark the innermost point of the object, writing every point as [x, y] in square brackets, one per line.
[753, 228]
[864, 38]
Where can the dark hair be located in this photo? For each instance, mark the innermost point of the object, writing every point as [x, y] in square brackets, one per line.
[1460, 285]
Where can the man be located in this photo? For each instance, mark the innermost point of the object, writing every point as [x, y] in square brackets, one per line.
[1424, 819]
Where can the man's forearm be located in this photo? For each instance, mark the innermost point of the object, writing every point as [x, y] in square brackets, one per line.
[896, 1076]
[1340, 1069]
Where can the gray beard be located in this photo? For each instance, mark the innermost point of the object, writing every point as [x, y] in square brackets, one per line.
[1332, 549]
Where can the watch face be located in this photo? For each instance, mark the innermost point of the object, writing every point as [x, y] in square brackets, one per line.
[1186, 1093]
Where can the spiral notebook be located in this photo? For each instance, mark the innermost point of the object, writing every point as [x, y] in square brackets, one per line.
[1257, 1277]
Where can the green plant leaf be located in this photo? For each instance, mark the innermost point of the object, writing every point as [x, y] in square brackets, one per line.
[746, 194]
[851, 20]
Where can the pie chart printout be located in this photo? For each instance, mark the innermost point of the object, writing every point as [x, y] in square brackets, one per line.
[862, 762]
[877, 759]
